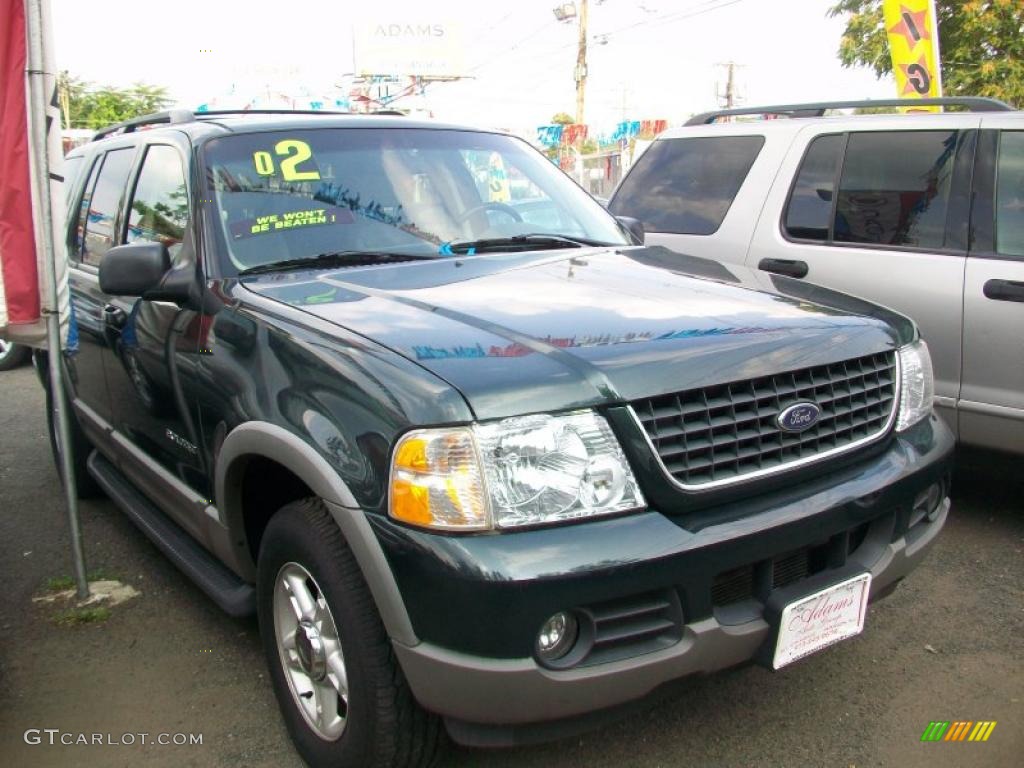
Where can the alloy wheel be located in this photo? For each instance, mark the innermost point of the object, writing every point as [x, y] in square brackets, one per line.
[310, 651]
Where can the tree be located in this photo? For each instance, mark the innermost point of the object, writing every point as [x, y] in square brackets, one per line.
[981, 44]
[93, 108]
[562, 118]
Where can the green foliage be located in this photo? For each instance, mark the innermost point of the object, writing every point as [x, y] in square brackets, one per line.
[64, 583]
[562, 118]
[59, 584]
[981, 44]
[94, 108]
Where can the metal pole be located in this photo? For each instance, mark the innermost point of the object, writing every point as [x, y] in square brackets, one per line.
[41, 161]
[581, 63]
[938, 54]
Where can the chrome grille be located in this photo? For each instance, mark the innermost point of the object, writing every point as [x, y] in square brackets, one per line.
[725, 433]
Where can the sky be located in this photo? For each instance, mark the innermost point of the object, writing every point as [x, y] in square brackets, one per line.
[647, 59]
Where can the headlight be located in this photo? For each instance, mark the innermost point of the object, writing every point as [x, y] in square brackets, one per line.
[917, 385]
[520, 471]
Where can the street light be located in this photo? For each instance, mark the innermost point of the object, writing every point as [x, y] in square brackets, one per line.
[565, 12]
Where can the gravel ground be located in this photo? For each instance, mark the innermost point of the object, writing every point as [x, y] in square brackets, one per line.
[946, 646]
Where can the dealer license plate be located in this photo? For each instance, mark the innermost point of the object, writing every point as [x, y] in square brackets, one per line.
[822, 619]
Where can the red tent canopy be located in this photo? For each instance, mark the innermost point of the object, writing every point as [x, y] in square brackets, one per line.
[24, 272]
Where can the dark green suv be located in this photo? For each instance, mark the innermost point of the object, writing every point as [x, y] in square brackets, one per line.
[476, 474]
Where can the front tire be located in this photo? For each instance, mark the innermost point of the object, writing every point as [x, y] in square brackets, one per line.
[342, 695]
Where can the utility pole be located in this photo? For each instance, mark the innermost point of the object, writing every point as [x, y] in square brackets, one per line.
[581, 62]
[732, 96]
[730, 86]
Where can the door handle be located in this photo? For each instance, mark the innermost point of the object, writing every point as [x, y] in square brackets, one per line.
[114, 316]
[1004, 290]
[787, 267]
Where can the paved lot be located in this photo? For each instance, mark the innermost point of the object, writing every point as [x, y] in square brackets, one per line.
[949, 644]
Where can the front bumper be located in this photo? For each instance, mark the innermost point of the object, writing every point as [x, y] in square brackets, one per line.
[472, 599]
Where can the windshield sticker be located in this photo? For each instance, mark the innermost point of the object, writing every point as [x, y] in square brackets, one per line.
[498, 188]
[292, 154]
[276, 222]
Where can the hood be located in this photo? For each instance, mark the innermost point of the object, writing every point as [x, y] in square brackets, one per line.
[524, 333]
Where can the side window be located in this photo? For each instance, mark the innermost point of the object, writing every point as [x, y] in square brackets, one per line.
[809, 209]
[72, 167]
[75, 247]
[686, 186]
[1010, 194]
[895, 188]
[102, 206]
[159, 208]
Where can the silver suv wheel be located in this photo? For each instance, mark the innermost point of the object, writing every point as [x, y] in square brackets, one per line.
[310, 651]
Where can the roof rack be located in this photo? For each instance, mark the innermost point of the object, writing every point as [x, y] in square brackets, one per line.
[175, 116]
[130, 126]
[223, 112]
[817, 109]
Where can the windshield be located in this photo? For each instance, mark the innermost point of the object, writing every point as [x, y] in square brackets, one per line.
[291, 195]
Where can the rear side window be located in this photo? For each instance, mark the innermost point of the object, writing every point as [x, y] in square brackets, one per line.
[895, 188]
[809, 211]
[1010, 194]
[100, 209]
[686, 186]
[159, 207]
[75, 251]
[72, 167]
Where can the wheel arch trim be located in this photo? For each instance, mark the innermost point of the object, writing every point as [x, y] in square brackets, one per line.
[269, 441]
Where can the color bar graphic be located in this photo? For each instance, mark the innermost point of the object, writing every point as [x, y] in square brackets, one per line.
[982, 730]
[958, 730]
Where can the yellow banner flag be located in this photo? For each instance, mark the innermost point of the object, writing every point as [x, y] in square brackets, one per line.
[499, 190]
[914, 42]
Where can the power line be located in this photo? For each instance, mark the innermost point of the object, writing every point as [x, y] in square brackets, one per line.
[695, 10]
[492, 58]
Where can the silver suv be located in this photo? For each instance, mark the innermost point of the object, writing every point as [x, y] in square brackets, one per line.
[923, 213]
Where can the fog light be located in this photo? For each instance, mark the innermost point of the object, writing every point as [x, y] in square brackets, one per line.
[557, 636]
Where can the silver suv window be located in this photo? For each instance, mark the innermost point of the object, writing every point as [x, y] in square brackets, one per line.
[686, 186]
[894, 189]
[1010, 195]
[809, 211]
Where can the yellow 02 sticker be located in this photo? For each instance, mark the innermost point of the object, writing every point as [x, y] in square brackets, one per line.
[293, 153]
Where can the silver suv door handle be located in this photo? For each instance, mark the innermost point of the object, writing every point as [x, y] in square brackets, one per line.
[787, 267]
[1004, 290]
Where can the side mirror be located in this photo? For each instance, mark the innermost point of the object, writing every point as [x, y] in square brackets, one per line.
[133, 270]
[144, 270]
[634, 227]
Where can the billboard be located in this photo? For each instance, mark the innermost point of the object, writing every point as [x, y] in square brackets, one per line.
[421, 48]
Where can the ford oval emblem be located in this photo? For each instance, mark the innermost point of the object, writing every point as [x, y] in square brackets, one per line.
[798, 417]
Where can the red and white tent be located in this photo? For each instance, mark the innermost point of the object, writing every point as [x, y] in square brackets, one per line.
[27, 250]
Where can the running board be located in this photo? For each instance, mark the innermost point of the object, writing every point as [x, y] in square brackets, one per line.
[234, 596]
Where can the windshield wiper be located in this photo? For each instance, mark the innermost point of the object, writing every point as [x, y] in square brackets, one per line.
[532, 241]
[335, 259]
